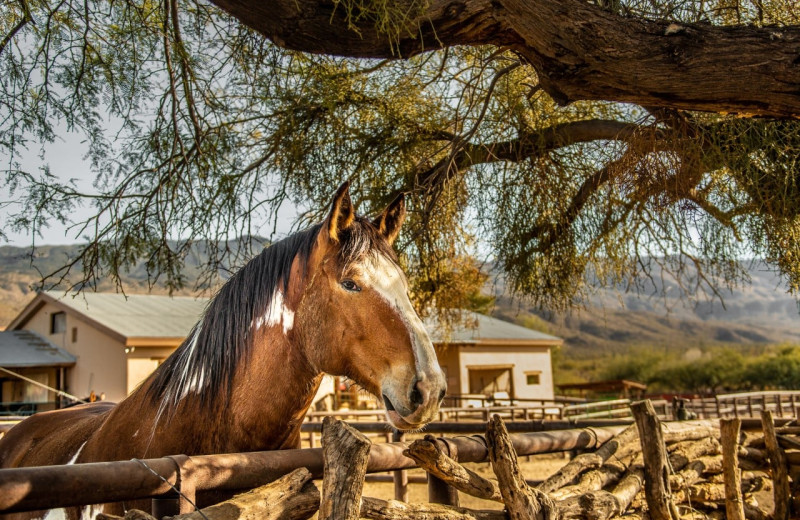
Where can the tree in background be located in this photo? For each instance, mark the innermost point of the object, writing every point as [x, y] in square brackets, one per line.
[778, 370]
[574, 144]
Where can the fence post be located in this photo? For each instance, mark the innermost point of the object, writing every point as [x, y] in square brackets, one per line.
[165, 506]
[401, 475]
[439, 491]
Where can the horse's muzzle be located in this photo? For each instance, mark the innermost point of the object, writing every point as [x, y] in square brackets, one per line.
[419, 406]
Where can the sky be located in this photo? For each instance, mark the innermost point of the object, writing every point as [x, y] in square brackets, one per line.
[66, 160]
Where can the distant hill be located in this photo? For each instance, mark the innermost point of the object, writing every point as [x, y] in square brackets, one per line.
[611, 321]
[20, 272]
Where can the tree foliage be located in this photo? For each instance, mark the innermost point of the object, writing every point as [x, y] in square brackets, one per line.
[716, 370]
[198, 128]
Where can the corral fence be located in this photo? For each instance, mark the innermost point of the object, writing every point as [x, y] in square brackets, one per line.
[37, 488]
[30, 489]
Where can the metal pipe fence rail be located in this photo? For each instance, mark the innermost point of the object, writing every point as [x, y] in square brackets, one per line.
[37, 488]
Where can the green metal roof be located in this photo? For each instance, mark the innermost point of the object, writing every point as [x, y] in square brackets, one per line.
[480, 328]
[137, 315]
[23, 348]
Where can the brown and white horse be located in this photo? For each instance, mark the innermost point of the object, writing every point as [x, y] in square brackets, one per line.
[330, 299]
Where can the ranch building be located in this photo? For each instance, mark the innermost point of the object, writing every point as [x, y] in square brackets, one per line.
[114, 341]
[29, 366]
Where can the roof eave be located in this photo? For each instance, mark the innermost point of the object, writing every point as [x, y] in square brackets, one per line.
[154, 341]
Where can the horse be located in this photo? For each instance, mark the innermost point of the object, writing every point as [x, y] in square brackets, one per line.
[330, 299]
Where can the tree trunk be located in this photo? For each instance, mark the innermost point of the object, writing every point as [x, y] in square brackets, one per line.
[579, 50]
[777, 464]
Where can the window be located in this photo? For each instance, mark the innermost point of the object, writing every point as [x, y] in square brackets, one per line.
[533, 378]
[58, 323]
[74, 334]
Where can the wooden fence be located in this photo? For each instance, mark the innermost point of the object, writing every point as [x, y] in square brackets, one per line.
[32, 489]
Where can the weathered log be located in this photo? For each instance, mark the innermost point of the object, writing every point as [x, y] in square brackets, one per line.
[682, 453]
[428, 455]
[753, 454]
[394, 510]
[603, 505]
[708, 492]
[568, 473]
[291, 497]
[131, 514]
[729, 437]
[777, 463]
[597, 505]
[594, 480]
[694, 472]
[345, 452]
[788, 443]
[754, 513]
[624, 446]
[522, 502]
[656, 465]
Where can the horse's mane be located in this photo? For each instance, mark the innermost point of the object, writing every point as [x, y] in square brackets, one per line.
[205, 363]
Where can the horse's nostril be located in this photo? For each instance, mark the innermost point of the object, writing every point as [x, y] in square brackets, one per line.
[416, 396]
[441, 394]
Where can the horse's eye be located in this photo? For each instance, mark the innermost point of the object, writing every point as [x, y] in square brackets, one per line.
[350, 285]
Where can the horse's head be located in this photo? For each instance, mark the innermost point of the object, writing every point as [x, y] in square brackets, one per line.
[356, 319]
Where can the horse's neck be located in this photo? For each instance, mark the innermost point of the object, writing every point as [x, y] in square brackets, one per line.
[271, 392]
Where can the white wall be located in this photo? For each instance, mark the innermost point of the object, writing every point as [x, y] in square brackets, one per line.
[523, 358]
[101, 362]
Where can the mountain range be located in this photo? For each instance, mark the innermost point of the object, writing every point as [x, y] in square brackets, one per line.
[610, 320]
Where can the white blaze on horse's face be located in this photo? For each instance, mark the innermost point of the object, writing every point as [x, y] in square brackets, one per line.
[415, 407]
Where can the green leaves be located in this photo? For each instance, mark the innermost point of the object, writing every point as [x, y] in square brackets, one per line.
[199, 130]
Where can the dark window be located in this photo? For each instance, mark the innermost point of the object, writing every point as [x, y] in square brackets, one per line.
[532, 379]
[74, 334]
[58, 323]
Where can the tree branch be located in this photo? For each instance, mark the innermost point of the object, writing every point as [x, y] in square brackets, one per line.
[579, 50]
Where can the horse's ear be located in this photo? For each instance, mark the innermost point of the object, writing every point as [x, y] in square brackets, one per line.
[391, 219]
[342, 213]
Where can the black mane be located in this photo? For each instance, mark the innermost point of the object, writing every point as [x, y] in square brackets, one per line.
[205, 363]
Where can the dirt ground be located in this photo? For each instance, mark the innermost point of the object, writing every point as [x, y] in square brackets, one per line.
[539, 467]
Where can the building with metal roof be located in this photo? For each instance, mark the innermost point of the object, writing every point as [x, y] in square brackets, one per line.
[487, 357]
[117, 339]
[29, 366]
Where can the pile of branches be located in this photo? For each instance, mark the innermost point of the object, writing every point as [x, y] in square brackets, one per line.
[702, 469]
